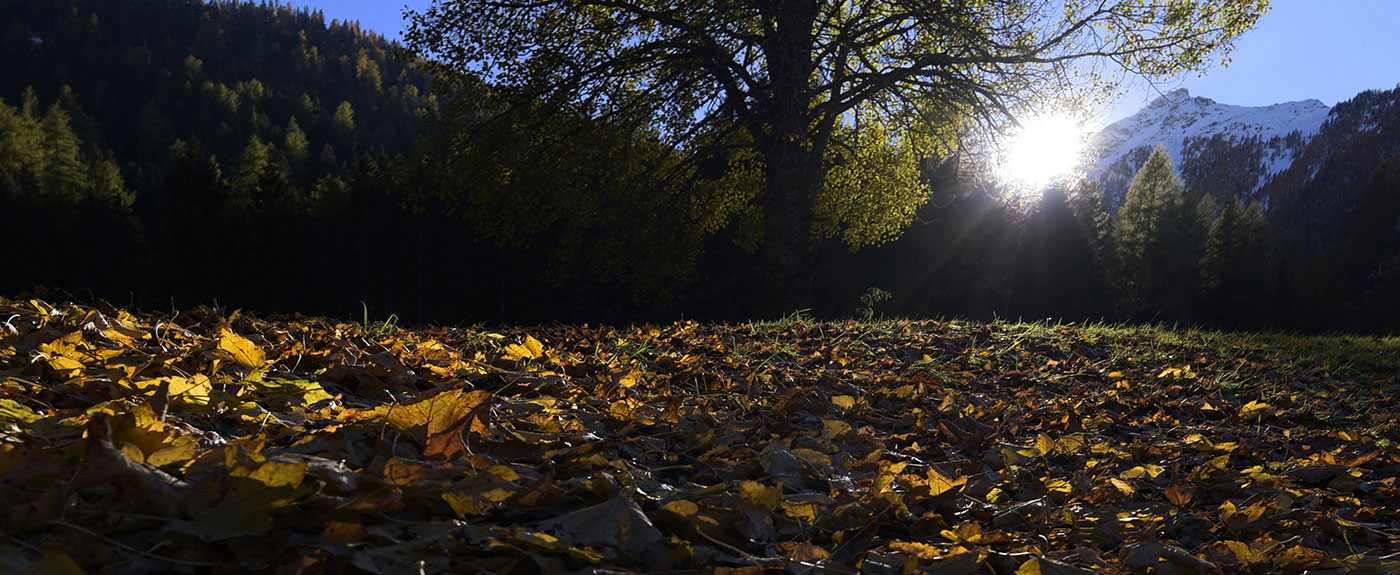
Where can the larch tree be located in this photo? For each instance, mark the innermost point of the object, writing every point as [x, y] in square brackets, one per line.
[820, 89]
[1155, 247]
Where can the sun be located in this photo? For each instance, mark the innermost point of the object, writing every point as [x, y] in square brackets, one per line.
[1043, 149]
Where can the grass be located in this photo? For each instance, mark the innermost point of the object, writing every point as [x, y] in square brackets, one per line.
[795, 444]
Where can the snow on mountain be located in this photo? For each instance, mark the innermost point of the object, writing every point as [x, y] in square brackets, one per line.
[1233, 149]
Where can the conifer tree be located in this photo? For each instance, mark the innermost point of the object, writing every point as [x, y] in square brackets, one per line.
[1235, 267]
[64, 176]
[1154, 245]
[248, 174]
[296, 143]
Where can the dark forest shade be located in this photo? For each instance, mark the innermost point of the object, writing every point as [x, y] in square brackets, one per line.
[169, 152]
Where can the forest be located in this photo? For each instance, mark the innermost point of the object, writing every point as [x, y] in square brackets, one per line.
[281, 296]
[172, 154]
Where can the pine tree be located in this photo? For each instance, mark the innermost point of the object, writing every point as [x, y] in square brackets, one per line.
[21, 140]
[345, 118]
[296, 143]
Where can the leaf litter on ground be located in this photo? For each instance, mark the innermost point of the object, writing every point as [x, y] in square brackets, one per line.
[222, 442]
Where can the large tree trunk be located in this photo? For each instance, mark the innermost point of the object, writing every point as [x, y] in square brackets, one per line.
[793, 160]
[786, 253]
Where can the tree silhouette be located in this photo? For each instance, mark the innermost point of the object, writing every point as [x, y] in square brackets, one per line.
[796, 76]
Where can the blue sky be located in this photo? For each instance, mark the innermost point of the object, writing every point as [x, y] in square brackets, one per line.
[1324, 49]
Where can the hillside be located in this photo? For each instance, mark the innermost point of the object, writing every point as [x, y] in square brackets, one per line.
[1220, 149]
[142, 74]
[200, 147]
[216, 440]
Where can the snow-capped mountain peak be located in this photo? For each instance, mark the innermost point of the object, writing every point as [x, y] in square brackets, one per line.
[1198, 132]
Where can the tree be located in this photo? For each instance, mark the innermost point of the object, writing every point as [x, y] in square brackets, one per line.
[797, 75]
[64, 176]
[345, 118]
[296, 143]
[247, 179]
[1237, 264]
[1053, 272]
[1154, 244]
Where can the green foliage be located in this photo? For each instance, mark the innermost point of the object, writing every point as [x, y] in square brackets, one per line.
[1155, 245]
[831, 96]
[871, 298]
[575, 189]
[296, 143]
[345, 118]
[873, 185]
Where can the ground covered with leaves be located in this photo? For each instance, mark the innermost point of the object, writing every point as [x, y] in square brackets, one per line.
[212, 442]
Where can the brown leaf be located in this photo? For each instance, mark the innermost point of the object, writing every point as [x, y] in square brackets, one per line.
[439, 421]
[617, 522]
[159, 492]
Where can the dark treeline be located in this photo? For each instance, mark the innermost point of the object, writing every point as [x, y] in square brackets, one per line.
[180, 153]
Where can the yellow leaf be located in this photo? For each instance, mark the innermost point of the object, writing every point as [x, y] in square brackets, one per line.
[11, 410]
[239, 350]
[916, 549]
[803, 510]
[682, 507]
[504, 472]
[844, 401]
[66, 367]
[464, 504]
[496, 495]
[176, 453]
[1123, 486]
[400, 472]
[834, 428]
[273, 473]
[1059, 486]
[439, 420]
[1255, 409]
[1044, 444]
[1148, 471]
[195, 389]
[531, 348]
[624, 409]
[1030, 567]
[760, 495]
[938, 484]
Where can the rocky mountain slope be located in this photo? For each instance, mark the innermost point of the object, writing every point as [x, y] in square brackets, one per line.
[1311, 199]
[1228, 151]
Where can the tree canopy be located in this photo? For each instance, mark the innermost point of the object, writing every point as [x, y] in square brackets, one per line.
[798, 76]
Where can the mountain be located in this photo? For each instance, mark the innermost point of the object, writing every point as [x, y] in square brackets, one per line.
[1227, 151]
[1327, 180]
[1311, 199]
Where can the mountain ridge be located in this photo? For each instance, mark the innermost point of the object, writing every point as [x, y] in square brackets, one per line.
[1226, 150]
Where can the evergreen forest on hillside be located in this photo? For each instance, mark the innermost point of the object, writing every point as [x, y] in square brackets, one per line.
[182, 153]
[531, 294]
